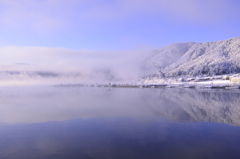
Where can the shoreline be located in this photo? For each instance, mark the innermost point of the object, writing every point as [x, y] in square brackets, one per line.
[201, 85]
[231, 81]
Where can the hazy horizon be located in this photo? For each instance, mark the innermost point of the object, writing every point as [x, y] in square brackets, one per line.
[51, 41]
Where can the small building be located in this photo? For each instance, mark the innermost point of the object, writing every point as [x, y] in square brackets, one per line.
[235, 79]
[190, 79]
[225, 77]
[202, 79]
[180, 80]
[217, 77]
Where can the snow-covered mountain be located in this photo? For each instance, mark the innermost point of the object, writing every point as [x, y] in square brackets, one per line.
[194, 59]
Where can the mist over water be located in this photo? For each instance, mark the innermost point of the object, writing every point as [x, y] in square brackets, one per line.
[102, 122]
[49, 66]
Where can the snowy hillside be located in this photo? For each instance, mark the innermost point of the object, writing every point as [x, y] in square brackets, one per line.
[194, 59]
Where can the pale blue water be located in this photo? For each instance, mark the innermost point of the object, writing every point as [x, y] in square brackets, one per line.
[119, 123]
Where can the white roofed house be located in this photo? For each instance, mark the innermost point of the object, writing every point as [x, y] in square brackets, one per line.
[190, 79]
[217, 77]
[201, 79]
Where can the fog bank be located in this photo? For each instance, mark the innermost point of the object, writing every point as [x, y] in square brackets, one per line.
[41, 65]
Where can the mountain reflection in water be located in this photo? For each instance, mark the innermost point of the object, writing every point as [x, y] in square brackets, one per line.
[36, 105]
[191, 105]
[116, 123]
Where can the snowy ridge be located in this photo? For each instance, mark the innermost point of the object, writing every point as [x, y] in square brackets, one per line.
[194, 59]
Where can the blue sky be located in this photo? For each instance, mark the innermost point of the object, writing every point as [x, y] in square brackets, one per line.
[116, 24]
[83, 39]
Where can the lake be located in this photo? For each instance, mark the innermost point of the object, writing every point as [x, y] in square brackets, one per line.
[119, 123]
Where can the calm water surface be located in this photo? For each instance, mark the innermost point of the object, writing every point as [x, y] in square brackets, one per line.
[119, 123]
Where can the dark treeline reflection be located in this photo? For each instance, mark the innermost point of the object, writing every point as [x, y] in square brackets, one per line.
[116, 123]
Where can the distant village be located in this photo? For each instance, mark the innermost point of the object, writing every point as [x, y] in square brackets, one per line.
[231, 78]
[220, 81]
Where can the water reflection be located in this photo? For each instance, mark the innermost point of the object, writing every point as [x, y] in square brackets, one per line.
[191, 105]
[43, 104]
[103, 123]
